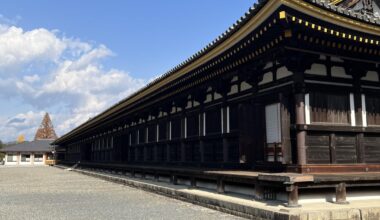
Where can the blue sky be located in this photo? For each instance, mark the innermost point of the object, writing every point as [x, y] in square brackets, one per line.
[76, 58]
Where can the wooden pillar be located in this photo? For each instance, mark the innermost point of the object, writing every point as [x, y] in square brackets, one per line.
[193, 182]
[157, 140]
[259, 191]
[356, 70]
[136, 150]
[174, 179]
[360, 148]
[200, 96]
[155, 153]
[226, 146]
[145, 152]
[292, 196]
[167, 153]
[183, 135]
[298, 63]
[183, 152]
[223, 87]
[301, 135]
[202, 132]
[340, 194]
[359, 115]
[168, 138]
[285, 130]
[332, 148]
[224, 131]
[220, 185]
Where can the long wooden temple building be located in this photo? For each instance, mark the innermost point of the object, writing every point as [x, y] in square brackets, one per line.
[293, 86]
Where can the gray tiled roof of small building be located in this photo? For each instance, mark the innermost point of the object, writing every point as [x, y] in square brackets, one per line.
[32, 146]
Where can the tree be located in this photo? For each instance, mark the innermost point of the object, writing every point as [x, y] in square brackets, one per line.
[20, 139]
[46, 130]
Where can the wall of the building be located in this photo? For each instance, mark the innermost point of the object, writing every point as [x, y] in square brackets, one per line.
[348, 106]
[251, 126]
[30, 159]
[215, 131]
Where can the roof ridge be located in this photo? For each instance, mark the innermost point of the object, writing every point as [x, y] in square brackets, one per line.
[347, 11]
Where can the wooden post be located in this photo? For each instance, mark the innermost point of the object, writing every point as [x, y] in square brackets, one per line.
[298, 63]
[332, 148]
[224, 131]
[220, 185]
[202, 132]
[183, 136]
[301, 135]
[167, 153]
[168, 133]
[340, 194]
[145, 152]
[259, 191]
[360, 148]
[155, 153]
[225, 150]
[136, 149]
[200, 96]
[286, 147]
[356, 70]
[193, 182]
[129, 149]
[292, 196]
[174, 180]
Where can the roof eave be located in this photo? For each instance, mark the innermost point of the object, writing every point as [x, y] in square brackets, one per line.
[240, 29]
[223, 42]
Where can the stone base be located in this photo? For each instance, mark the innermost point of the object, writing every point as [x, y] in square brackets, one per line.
[247, 208]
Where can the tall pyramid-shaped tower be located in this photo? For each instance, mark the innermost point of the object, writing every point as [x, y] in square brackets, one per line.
[46, 130]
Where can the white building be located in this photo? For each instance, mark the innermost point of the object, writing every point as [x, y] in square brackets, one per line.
[38, 152]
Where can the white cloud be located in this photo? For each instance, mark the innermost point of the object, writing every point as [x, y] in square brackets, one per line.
[9, 21]
[73, 88]
[19, 47]
[32, 78]
[23, 123]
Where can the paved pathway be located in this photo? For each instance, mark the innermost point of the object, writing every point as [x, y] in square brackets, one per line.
[51, 193]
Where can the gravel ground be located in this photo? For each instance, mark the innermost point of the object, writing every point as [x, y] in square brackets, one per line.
[51, 193]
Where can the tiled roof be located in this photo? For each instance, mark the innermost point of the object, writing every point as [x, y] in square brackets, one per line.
[240, 22]
[33, 146]
[232, 29]
[224, 36]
